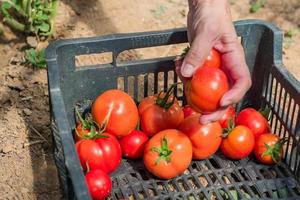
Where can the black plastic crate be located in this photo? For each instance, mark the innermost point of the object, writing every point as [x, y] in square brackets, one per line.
[214, 178]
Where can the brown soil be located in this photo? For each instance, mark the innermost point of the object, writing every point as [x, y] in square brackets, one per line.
[27, 169]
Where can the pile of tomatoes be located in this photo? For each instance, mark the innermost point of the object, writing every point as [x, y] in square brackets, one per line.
[167, 136]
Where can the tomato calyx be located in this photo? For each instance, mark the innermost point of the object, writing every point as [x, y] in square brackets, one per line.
[274, 151]
[164, 151]
[87, 123]
[90, 125]
[163, 99]
[266, 112]
[230, 127]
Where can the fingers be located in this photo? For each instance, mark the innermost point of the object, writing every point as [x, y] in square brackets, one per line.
[212, 117]
[195, 57]
[178, 64]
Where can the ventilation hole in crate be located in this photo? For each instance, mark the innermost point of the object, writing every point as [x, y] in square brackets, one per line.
[150, 84]
[172, 186]
[151, 52]
[161, 82]
[278, 96]
[282, 102]
[296, 190]
[244, 174]
[235, 177]
[289, 149]
[267, 194]
[93, 59]
[130, 86]
[255, 191]
[201, 196]
[214, 163]
[265, 174]
[140, 86]
[182, 185]
[283, 170]
[120, 82]
[226, 179]
[273, 122]
[193, 167]
[245, 192]
[143, 174]
[191, 197]
[127, 55]
[203, 181]
[204, 166]
[160, 186]
[186, 172]
[171, 78]
[141, 195]
[273, 173]
[213, 178]
[293, 155]
[193, 183]
[151, 192]
[179, 89]
[296, 119]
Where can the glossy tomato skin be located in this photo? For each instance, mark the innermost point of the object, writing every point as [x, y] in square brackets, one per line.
[124, 116]
[205, 139]
[155, 118]
[133, 144]
[238, 144]
[99, 184]
[229, 114]
[206, 88]
[101, 153]
[260, 148]
[254, 121]
[188, 111]
[213, 59]
[180, 157]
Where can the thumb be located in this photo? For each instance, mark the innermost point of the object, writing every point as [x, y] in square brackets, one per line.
[196, 55]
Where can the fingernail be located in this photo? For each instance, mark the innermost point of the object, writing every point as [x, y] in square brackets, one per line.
[187, 70]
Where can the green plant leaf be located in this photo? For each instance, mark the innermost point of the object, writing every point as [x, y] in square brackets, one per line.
[36, 58]
[44, 27]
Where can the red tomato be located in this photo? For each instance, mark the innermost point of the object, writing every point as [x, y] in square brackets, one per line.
[168, 154]
[205, 139]
[101, 153]
[229, 115]
[98, 183]
[238, 144]
[213, 60]
[133, 144]
[187, 111]
[160, 112]
[254, 121]
[268, 148]
[124, 113]
[206, 88]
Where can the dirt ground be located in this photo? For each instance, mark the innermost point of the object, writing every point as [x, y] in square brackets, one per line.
[27, 169]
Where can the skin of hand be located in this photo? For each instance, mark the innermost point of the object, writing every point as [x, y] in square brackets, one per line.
[209, 25]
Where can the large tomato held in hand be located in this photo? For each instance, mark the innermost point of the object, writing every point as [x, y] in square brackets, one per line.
[98, 183]
[133, 144]
[238, 144]
[205, 139]
[118, 110]
[229, 115]
[254, 120]
[101, 153]
[268, 148]
[168, 154]
[213, 59]
[160, 112]
[206, 88]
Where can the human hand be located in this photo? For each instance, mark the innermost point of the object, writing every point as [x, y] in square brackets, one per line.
[210, 26]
